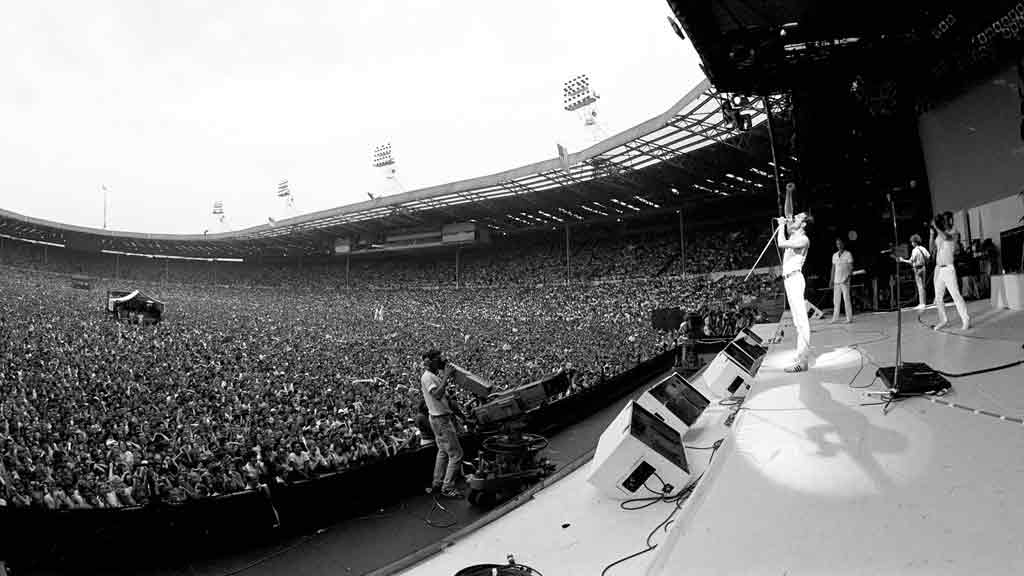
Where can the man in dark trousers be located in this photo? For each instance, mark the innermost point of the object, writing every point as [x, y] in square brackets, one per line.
[434, 385]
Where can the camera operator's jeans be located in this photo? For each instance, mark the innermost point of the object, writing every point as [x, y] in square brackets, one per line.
[448, 464]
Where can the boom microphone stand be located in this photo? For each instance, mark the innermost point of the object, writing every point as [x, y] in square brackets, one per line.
[765, 249]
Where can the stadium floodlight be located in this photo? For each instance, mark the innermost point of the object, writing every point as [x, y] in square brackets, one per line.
[384, 160]
[579, 96]
[577, 93]
[220, 216]
[284, 192]
[382, 156]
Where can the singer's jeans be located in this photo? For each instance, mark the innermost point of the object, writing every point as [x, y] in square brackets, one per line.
[945, 279]
[448, 463]
[841, 291]
[795, 296]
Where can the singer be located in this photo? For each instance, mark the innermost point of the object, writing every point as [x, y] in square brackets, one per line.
[795, 246]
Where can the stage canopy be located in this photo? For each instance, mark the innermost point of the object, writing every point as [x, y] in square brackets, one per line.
[772, 46]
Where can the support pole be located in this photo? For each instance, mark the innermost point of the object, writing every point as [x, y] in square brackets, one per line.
[165, 270]
[775, 159]
[348, 266]
[46, 254]
[682, 244]
[568, 264]
[458, 251]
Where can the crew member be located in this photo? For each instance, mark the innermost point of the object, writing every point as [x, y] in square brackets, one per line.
[945, 240]
[795, 246]
[842, 271]
[434, 385]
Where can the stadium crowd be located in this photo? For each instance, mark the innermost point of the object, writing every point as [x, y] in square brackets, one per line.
[245, 386]
[521, 259]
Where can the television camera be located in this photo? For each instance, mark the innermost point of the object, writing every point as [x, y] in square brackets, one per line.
[509, 457]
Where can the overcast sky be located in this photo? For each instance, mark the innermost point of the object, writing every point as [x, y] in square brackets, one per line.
[173, 105]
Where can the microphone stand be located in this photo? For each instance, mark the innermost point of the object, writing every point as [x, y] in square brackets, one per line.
[765, 249]
[914, 378]
[899, 303]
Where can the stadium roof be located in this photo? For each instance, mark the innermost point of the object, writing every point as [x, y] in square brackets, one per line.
[689, 155]
[771, 46]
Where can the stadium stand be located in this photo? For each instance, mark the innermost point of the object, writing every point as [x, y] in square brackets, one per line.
[245, 384]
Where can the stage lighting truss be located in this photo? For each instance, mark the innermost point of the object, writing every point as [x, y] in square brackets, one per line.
[738, 111]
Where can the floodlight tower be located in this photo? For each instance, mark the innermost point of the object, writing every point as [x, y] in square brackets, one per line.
[579, 97]
[220, 217]
[384, 161]
[284, 192]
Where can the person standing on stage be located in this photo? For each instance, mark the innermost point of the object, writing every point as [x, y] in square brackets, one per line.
[944, 240]
[795, 246]
[448, 463]
[842, 271]
[919, 262]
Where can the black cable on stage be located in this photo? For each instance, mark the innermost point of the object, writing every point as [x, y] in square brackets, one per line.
[677, 500]
[437, 506]
[981, 371]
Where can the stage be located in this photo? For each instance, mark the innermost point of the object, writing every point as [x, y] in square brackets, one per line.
[812, 477]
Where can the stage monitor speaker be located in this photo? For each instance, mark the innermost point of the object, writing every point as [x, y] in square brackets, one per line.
[675, 402]
[729, 374]
[751, 344]
[635, 447]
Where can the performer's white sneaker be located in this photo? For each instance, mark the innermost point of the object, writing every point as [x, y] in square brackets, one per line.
[940, 326]
[798, 367]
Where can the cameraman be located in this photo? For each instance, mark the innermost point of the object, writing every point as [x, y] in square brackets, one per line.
[434, 384]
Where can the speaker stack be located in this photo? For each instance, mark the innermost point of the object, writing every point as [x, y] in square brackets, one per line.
[634, 448]
[646, 439]
[675, 402]
[733, 370]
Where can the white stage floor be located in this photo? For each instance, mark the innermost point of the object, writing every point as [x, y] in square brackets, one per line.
[811, 480]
